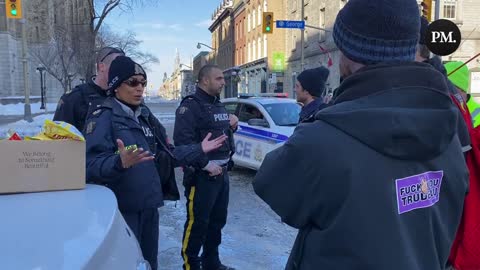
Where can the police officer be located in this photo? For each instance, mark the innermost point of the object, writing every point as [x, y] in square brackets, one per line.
[73, 107]
[120, 154]
[309, 87]
[205, 179]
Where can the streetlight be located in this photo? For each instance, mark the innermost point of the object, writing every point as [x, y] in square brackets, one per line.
[199, 46]
[41, 69]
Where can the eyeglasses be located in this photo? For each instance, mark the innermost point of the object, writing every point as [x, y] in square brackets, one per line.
[135, 83]
[112, 51]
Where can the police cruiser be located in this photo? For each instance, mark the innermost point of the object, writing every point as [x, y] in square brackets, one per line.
[266, 121]
[64, 230]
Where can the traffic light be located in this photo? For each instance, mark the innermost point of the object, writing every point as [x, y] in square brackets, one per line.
[14, 9]
[267, 26]
[427, 9]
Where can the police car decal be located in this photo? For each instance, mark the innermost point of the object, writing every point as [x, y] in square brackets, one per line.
[264, 135]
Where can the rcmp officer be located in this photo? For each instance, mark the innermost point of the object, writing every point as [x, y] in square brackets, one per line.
[205, 179]
[74, 107]
[309, 87]
[121, 148]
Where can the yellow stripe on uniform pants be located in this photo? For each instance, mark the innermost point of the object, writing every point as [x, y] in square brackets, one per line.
[189, 227]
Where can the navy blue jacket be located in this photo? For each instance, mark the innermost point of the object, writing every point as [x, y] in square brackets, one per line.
[74, 107]
[136, 188]
[307, 114]
[378, 181]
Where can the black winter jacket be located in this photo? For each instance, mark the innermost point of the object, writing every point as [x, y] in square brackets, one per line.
[378, 181]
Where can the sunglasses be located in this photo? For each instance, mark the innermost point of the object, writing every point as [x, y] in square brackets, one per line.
[113, 51]
[135, 83]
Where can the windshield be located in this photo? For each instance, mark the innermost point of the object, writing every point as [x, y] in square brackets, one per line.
[284, 114]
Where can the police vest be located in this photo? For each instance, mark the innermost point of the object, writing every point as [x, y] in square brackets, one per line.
[474, 109]
[214, 119]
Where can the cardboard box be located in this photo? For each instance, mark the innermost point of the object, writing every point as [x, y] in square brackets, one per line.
[32, 166]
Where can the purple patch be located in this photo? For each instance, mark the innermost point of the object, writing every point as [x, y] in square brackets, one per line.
[418, 191]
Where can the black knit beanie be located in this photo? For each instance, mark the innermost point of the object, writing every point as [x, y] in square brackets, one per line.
[313, 80]
[121, 69]
[378, 31]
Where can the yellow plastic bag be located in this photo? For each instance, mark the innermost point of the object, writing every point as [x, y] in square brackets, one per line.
[57, 130]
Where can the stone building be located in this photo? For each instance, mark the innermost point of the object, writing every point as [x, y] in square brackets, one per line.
[318, 47]
[44, 19]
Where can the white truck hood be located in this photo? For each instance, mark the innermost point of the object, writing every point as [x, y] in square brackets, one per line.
[57, 230]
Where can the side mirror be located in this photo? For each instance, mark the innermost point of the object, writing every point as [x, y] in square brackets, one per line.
[258, 122]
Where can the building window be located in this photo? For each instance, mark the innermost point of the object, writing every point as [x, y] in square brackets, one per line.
[259, 47]
[248, 26]
[259, 16]
[264, 5]
[450, 9]
[249, 53]
[254, 50]
[322, 34]
[253, 19]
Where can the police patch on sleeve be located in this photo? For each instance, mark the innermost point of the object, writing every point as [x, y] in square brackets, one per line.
[182, 110]
[90, 127]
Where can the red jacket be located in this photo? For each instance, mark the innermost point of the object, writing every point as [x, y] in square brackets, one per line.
[465, 253]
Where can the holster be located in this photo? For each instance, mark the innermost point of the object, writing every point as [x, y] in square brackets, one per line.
[188, 176]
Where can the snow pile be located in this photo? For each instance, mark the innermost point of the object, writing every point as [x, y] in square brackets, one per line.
[24, 128]
[19, 108]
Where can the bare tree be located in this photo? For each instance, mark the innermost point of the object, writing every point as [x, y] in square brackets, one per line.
[58, 57]
[129, 43]
[99, 11]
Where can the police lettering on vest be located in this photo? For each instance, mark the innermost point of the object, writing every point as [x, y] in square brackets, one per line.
[221, 117]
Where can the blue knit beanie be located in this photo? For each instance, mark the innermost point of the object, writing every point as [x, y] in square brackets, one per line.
[378, 31]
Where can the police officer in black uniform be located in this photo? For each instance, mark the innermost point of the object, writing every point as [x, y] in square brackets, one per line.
[73, 107]
[205, 179]
[121, 149]
[309, 87]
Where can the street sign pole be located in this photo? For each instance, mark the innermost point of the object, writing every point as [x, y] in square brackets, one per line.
[302, 39]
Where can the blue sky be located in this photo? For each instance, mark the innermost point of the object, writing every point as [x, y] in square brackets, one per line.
[165, 26]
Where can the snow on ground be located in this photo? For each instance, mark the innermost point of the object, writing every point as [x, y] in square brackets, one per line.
[24, 128]
[19, 108]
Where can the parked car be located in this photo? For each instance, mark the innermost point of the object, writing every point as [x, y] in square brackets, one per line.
[66, 230]
[265, 123]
